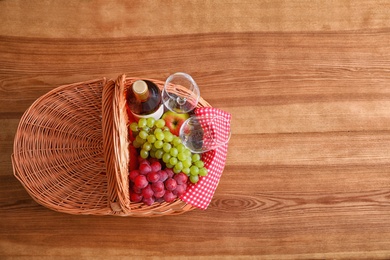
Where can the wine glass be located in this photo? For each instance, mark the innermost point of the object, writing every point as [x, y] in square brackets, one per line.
[180, 93]
[205, 133]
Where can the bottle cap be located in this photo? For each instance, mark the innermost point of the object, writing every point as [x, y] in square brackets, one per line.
[140, 89]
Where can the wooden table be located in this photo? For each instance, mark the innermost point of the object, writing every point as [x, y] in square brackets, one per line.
[307, 82]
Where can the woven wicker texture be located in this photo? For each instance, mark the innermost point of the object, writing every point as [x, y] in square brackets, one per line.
[71, 151]
[58, 150]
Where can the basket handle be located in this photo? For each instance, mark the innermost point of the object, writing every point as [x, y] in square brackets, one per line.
[115, 144]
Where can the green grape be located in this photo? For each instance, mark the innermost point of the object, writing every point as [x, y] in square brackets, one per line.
[134, 127]
[199, 164]
[136, 144]
[152, 154]
[139, 140]
[142, 123]
[150, 122]
[173, 160]
[179, 165]
[168, 165]
[158, 144]
[166, 128]
[154, 148]
[173, 152]
[147, 146]
[176, 170]
[194, 170]
[188, 153]
[143, 134]
[144, 154]
[176, 141]
[203, 171]
[186, 170]
[187, 163]
[168, 136]
[181, 148]
[166, 157]
[159, 153]
[194, 178]
[167, 147]
[159, 136]
[195, 157]
[146, 129]
[182, 157]
[160, 123]
[151, 139]
[157, 130]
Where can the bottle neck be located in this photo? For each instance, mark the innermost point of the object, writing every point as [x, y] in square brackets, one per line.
[142, 97]
[141, 90]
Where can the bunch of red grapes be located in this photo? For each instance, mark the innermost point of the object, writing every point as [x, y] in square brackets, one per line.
[150, 183]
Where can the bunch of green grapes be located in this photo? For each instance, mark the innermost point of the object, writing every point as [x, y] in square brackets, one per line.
[154, 139]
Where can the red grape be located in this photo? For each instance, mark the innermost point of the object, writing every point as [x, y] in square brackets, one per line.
[147, 192]
[180, 189]
[158, 186]
[156, 166]
[170, 184]
[153, 176]
[140, 181]
[169, 196]
[135, 197]
[133, 174]
[148, 201]
[136, 189]
[144, 168]
[163, 175]
[180, 178]
[170, 172]
[159, 194]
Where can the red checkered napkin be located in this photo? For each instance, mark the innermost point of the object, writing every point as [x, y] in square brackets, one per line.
[200, 194]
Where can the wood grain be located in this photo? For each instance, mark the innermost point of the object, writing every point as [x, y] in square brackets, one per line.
[307, 174]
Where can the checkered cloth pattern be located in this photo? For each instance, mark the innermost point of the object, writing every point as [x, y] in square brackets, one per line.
[200, 194]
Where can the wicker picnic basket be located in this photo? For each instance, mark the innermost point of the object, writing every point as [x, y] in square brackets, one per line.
[71, 151]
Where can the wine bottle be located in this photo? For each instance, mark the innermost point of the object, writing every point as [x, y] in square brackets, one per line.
[144, 100]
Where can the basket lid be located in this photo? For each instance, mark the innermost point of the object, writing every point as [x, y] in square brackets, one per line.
[58, 150]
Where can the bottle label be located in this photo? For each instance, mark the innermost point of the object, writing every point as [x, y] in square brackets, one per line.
[156, 115]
